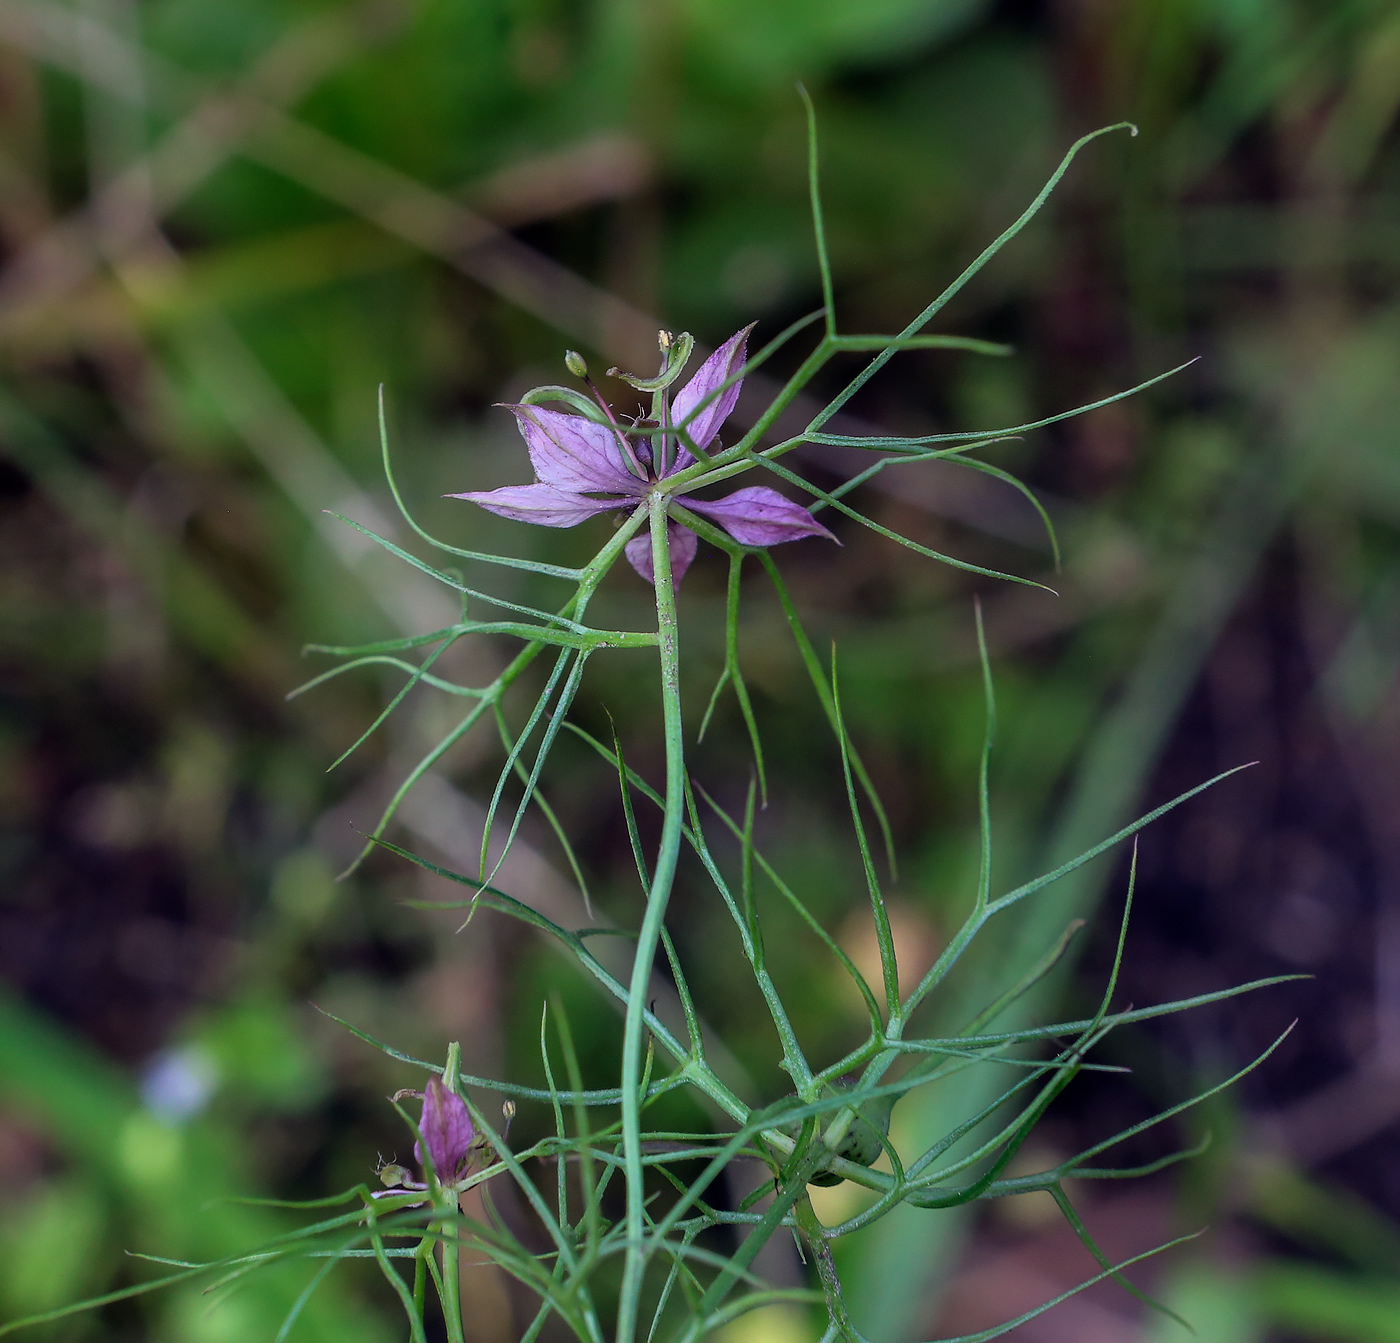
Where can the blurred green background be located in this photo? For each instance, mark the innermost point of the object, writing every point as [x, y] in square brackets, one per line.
[224, 225]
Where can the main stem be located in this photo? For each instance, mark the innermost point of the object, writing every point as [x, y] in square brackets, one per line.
[662, 878]
[451, 1280]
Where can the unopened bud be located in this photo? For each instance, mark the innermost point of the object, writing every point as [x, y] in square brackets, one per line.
[573, 361]
[447, 1131]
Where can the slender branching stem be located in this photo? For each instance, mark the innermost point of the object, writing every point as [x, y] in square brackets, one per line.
[451, 1280]
[663, 876]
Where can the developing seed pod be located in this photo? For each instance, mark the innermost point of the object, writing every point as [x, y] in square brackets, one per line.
[863, 1141]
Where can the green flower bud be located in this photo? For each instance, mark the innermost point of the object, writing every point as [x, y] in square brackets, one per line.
[393, 1176]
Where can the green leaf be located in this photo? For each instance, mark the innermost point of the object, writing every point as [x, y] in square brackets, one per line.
[817, 492]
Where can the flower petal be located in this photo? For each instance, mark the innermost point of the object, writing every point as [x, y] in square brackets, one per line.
[541, 504]
[682, 542]
[758, 516]
[446, 1128]
[573, 453]
[720, 366]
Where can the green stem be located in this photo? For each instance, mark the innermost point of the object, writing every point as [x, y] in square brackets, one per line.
[592, 575]
[794, 1188]
[663, 876]
[814, 1236]
[420, 1275]
[451, 1284]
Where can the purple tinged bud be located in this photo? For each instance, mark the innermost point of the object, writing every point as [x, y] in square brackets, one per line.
[447, 1130]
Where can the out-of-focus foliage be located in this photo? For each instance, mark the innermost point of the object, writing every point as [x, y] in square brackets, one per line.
[225, 224]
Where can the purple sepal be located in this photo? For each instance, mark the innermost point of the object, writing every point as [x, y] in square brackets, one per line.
[682, 543]
[758, 516]
[575, 454]
[719, 367]
[544, 505]
[447, 1129]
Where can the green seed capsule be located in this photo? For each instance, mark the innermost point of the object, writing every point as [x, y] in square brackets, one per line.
[863, 1141]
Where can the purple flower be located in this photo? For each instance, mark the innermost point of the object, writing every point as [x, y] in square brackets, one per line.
[583, 467]
[447, 1130]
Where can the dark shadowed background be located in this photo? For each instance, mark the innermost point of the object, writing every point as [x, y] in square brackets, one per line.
[224, 225]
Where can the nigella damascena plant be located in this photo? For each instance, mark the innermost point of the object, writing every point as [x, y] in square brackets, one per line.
[622, 1209]
[585, 466]
[446, 1129]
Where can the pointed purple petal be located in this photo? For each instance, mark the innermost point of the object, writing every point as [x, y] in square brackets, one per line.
[541, 504]
[447, 1130]
[682, 543]
[758, 516]
[720, 366]
[573, 453]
